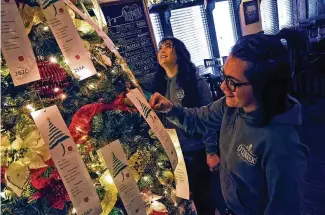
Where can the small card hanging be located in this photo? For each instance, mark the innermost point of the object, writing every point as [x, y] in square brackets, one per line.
[67, 160]
[67, 37]
[181, 178]
[155, 124]
[16, 47]
[117, 164]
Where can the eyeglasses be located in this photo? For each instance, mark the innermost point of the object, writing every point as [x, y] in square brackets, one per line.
[230, 83]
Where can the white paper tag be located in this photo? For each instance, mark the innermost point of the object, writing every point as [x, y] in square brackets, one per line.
[67, 160]
[109, 43]
[117, 164]
[181, 178]
[16, 47]
[67, 37]
[155, 124]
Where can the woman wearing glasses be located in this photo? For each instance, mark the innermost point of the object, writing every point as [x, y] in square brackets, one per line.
[262, 161]
[176, 78]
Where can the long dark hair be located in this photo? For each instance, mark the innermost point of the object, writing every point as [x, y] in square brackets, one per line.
[186, 76]
[272, 62]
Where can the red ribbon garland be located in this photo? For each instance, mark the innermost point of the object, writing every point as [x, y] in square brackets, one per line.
[81, 121]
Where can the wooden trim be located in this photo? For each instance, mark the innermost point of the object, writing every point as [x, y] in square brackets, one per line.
[105, 3]
[152, 34]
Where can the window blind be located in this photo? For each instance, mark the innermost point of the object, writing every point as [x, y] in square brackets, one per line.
[233, 19]
[286, 11]
[190, 26]
[224, 29]
[312, 8]
[157, 27]
[269, 14]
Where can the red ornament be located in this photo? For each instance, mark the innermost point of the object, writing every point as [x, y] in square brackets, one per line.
[61, 10]
[77, 57]
[21, 58]
[53, 79]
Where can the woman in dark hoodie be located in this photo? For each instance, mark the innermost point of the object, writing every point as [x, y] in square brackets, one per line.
[262, 161]
[177, 79]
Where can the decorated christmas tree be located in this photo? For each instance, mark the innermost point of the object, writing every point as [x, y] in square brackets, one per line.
[96, 111]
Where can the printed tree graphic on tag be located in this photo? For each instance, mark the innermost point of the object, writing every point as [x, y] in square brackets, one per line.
[118, 166]
[146, 110]
[47, 3]
[56, 136]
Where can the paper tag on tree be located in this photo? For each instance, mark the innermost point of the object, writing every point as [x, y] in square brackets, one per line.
[66, 35]
[155, 124]
[181, 178]
[67, 160]
[16, 46]
[117, 164]
[109, 43]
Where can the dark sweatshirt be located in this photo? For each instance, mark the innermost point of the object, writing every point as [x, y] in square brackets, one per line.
[261, 167]
[189, 142]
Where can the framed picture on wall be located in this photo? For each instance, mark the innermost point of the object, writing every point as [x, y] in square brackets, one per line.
[251, 13]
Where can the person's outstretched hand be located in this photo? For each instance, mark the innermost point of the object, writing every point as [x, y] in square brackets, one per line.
[160, 103]
[213, 161]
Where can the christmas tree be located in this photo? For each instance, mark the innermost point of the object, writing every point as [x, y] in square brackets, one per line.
[118, 166]
[95, 110]
[56, 137]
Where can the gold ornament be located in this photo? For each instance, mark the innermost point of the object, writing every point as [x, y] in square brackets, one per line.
[5, 142]
[17, 143]
[165, 177]
[138, 163]
[33, 160]
[31, 16]
[110, 198]
[17, 176]
[106, 179]
[83, 26]
[43, 151]
[35, 142]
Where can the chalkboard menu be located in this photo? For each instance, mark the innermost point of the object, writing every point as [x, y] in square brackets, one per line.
[130, 29]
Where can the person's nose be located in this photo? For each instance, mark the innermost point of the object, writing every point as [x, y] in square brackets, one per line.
[162, 51]
[223, 85]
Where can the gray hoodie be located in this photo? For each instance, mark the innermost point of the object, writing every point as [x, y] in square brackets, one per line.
[189, 142]
[261, 168]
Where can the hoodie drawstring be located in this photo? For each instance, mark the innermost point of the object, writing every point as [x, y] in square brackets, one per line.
[233, 124]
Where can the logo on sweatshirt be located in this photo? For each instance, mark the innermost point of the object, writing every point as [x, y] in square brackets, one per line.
[180, 94]
[245, 153]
